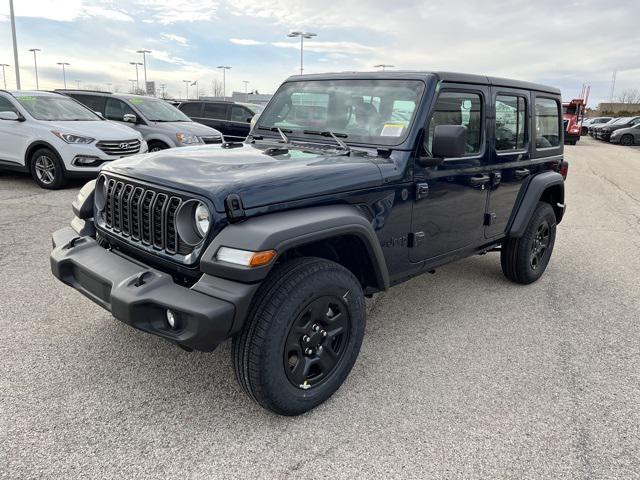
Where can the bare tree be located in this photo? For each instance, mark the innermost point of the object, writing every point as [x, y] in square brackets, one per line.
[631, 95]
[216, 88]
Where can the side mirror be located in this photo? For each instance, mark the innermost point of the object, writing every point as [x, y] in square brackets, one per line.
[130, 117]
[449, 141]
[9, 115]
[249, 119]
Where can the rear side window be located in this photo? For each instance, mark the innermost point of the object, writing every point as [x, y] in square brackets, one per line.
[511, 114]
[459, 108]
[92, 102]
[239, 114]
[191, 109]
[547, 123]
[116, 109]
[217, 111]
[6, 106]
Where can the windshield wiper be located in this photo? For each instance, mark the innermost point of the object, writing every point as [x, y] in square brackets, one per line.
[328, 133]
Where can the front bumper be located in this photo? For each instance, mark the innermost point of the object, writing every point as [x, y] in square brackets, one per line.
[139, 296]
[70, 153]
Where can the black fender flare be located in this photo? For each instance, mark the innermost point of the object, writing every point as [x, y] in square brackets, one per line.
[285, 230]
[534, 191]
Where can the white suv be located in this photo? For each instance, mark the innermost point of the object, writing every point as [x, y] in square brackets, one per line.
[55, 137]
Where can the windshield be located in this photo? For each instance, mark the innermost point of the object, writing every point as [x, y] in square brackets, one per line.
[362, 111]
[158, 110]
[55, 108]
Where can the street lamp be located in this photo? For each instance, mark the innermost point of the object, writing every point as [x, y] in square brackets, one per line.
[302, 36]
[144, 62]
[383, 66]
[186, 84]
[4, 77]
[246, 94]
[64, 73]
[224, 69]
[15, 44]
[137, 78]
[35, 64]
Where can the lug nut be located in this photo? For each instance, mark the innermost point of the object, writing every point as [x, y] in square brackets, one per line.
[306, 339]
[315, 328]
[319, 348]
[308, 351]
[324, 333]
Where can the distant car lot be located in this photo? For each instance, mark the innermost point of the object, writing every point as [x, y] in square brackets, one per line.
[501, 386]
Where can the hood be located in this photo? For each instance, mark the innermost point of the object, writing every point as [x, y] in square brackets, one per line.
[260, 176]
[187, 127]
[99, 129]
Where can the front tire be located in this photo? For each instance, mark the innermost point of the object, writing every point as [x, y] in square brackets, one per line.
[525, 259]
[302, 336]
[46, 169]
[156, 146]
[626, 140]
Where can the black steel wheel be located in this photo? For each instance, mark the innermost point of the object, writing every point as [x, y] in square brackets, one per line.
[302, 335]
[525, 259]
[626, 140]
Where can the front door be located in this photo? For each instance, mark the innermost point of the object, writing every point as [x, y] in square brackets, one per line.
[450, 202]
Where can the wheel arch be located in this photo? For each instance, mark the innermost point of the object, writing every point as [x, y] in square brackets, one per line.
[338, 233]
[35, 146]
[546, 187]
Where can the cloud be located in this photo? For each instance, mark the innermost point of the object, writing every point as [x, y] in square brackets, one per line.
[182, 41]
[245, 41]
[169, 12]
[340, 47]
[72, 10]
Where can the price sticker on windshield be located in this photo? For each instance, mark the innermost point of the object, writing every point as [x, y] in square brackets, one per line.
[136, 101]
[392, 130]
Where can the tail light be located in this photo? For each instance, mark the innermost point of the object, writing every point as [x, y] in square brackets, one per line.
[563, 169]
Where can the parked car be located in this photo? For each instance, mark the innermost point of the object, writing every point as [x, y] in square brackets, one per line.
[593, 129]
[275, 242]
[233, 119]
[161, 124]
[55, 137]
[605, 132]
[589, 122]
[626, 136]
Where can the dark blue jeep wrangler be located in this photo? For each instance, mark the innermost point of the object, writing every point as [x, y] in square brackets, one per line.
[349, 184]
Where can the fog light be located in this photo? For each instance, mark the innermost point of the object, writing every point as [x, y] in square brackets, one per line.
[86, 161]
[171, 319]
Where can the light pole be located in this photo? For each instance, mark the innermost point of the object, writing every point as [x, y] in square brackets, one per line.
[137, 78]
[64, 72]
[224, 69]
[15, 45]
[383, 66]
[144, 62]
[163, 86]
[302, 36]
[35, 64]
[246, 94]
[186, 84]
[4, 76]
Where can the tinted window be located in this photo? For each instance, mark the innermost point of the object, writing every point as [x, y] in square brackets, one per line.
[116, 109]
[92, 102]
[240, 114]
[216, 111]
[191, 109]
[511, 114]
[6, 106]
[547, 123]
[459, 108]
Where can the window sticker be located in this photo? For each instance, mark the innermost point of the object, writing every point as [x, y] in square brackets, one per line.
[27, 98]
[392, 130]
[136, 101]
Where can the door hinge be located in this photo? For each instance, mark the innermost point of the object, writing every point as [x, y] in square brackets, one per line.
[422, 190]
[489, 218]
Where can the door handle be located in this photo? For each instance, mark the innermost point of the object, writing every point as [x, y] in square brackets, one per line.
[522, 172]
[479, 180]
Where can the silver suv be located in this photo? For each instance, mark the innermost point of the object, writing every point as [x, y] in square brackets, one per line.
[161, 124]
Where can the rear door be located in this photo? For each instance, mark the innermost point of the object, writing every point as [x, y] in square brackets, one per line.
[239, 118]
[215, 115]
[450, 201]
[193, 110]
[510, 155]
[13, 135]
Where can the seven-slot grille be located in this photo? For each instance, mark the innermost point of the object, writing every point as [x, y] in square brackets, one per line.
[143, 215]
[119, 148]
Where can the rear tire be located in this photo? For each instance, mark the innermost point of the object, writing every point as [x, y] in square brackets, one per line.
[157, 146]
[525, 259]
[627, 140]
[46, 169]
[302, 336]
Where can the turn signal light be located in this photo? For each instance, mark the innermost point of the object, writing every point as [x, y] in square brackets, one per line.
[245, 257]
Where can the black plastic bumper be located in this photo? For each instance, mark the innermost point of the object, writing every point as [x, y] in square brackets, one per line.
[140, 296]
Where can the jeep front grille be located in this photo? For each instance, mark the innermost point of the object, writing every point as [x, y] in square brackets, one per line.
[119, 148]
[143, 215]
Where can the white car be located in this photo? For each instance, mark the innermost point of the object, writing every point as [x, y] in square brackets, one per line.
[55, 137]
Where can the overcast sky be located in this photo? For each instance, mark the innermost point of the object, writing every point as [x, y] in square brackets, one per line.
[561, 43]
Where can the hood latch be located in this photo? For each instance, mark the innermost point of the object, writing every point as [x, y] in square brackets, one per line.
[234, 208]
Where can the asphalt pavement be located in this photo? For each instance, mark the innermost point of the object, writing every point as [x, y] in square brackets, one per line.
[461, 375]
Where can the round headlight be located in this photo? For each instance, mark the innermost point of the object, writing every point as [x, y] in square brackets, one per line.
[202, 219]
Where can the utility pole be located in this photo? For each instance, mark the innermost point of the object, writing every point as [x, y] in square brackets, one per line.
[613, 85]
[4, 76]
[64, 73]
[246, 94]
[186, 84]
[137, 78]
[15, 45]
[302, 36]
[78, 84]
[224, 69]
[144, 62]
[163, 86]
[35, 64]
[132, 87]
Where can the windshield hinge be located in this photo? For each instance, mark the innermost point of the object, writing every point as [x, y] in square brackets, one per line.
[233, 206]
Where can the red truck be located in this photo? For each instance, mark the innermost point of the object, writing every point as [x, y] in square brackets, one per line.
[572, 115]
